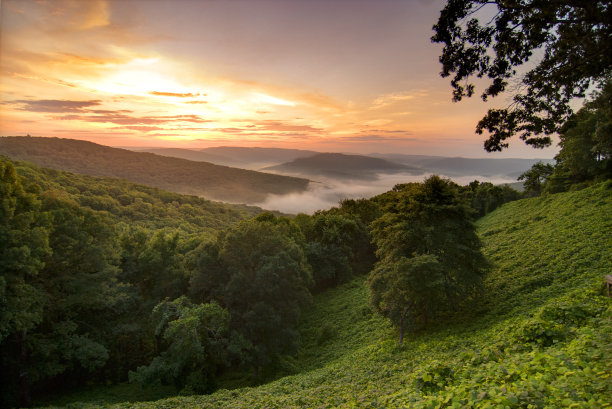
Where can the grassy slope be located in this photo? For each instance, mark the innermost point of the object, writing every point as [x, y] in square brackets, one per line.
[541, 336]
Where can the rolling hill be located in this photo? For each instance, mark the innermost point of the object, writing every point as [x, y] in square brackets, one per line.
[282, 161]
[173, 174]
[138, 205]
[453, 167]
[539, 337]
[189, 154]
[234, 156]
[256, 158]
[341, 166]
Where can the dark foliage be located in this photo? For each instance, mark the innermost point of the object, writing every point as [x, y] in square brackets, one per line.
[570, 42]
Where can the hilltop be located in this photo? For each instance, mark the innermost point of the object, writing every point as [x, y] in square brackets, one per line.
[341, 166]
[236, 156]
[173, 174]
[539, 337]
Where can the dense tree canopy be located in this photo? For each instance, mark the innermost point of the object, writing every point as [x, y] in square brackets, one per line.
[569, 41]
[196, 337]
[100, 277]
[429, 253]
[258, 272]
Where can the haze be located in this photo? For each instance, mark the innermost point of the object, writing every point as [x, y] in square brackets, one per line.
[343, 76]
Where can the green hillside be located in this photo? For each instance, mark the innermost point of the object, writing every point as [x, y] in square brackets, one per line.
[173, 174]
[138, 205]
[540, 337]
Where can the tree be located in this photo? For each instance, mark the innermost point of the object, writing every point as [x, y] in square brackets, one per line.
[485, 38]
[485, 197]
[586, 145]
[429, 252]
[330, 239]
[258, 272]
[59, 293]
[196, 338]
[24, 244]
[536, 177]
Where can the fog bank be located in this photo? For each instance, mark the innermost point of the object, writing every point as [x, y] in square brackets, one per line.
[324, 194]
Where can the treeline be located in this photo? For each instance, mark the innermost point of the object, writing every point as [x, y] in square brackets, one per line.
[106, 281]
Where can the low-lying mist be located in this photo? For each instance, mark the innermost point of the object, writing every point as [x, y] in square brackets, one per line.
[324, 194]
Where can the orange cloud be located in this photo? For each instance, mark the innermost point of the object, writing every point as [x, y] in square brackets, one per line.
[54, 105]
[175, 94]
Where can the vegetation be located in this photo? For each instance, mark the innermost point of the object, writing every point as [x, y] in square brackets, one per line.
[539, 337]
[428, 251]
[83, 262]
[173, 174]
[586, 150]
[96, 273]
[103, 295]
[575, 37]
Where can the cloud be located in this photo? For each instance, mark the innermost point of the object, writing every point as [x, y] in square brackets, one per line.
[175, 94]
[54, 105]
[375, 138]
[393, 98]
[121, 117]
[270, 125]
[196, 102]
[143, 128]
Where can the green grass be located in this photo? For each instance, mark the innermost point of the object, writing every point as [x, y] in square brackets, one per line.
[540, 338]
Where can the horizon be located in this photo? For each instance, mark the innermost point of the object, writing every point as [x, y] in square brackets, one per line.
[297, 75]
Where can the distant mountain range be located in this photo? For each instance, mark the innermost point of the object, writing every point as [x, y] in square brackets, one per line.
[488, 167]
[170, 173]
[311, 164]
[341, 166]
[240, 157]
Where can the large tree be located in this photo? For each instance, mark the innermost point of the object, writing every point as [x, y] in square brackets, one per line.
[195, 338]
[568, 44]
[258, 272]
[24, 244]
[429, 253]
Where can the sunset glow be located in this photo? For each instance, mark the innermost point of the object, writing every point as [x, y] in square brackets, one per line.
[318, 75]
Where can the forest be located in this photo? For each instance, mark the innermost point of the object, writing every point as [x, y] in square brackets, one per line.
[107, 281]
[430, 295]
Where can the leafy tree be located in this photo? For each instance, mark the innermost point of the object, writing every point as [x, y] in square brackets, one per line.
[196, 338]
[60, 292]
[536, 177]
[24, 235]
[430, 256]
[586, 145]
[258, 272]
[83, 296]
[492, 39]
[153, 262]
[485, 197]
[329, 246]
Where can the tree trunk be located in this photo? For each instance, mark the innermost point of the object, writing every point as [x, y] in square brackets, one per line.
[25, 398]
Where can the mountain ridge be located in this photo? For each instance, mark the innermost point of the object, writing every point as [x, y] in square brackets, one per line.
[203, 179]
[342, 166]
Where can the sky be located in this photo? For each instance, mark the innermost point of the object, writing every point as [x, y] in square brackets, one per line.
[355, 76]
